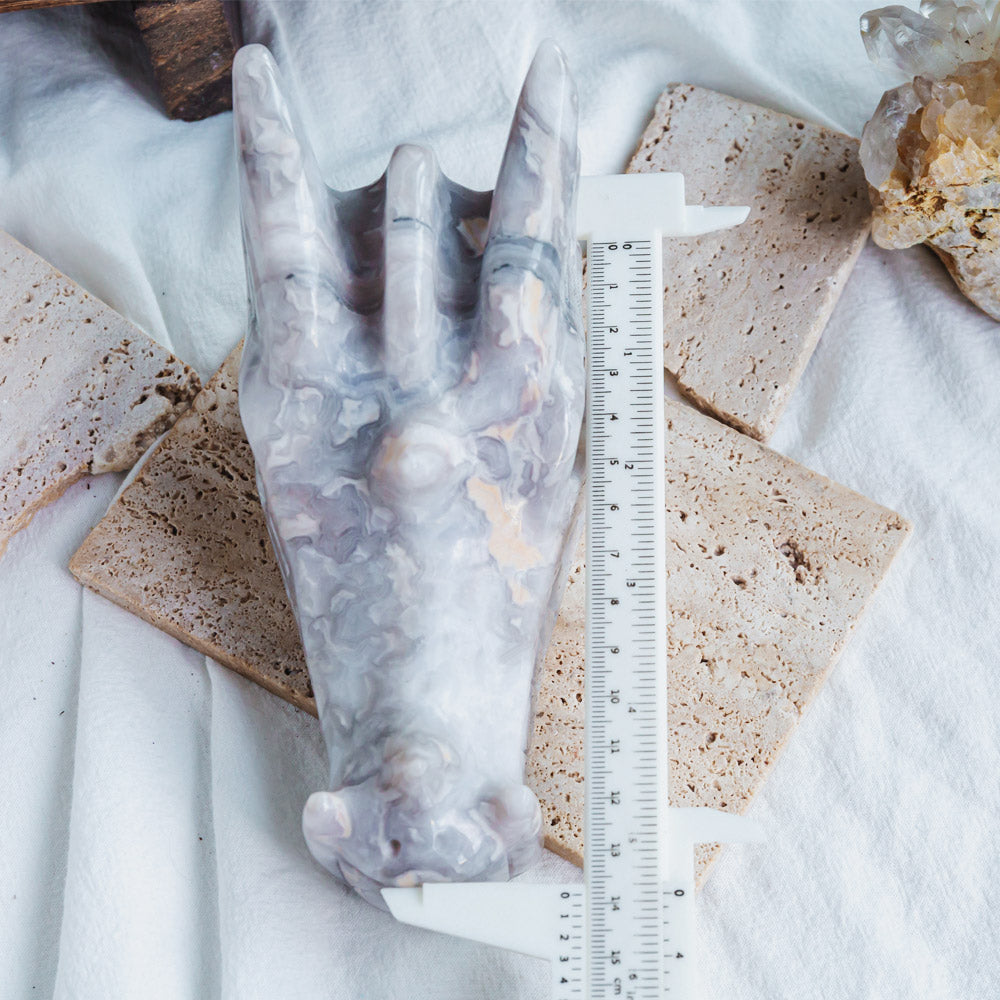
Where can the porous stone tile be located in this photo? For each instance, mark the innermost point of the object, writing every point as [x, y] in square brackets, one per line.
[769, 566]
[82, 390]
[744, 308]
[185, 547]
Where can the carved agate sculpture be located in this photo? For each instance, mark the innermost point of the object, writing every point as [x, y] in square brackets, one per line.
[413, 389]
[931, 152]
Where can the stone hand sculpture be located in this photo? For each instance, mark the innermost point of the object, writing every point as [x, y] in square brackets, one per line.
[413, 389]
[931, 152]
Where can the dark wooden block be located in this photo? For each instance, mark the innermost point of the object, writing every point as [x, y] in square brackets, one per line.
[6, 5]
[191, 47]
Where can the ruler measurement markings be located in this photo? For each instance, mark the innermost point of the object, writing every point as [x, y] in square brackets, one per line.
[620, 466]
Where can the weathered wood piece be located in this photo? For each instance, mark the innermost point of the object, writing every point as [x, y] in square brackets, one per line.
[191, 47]
[6, 5]
[191, 44]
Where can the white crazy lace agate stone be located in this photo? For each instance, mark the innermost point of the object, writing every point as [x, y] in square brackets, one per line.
[413, 390]
[931, 152]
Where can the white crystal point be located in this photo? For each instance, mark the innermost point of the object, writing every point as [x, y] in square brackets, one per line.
[412, 387]
[934, 41]
[907, 40]
[878, 154]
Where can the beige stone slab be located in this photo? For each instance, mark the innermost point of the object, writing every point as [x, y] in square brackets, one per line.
[770, 566]
[185, 547]
[744, 309]
[81, 388]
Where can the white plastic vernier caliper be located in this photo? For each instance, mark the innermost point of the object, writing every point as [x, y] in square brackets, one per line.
[628, 930]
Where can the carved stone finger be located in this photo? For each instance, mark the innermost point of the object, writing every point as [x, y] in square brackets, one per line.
[285, 204]
[416, 201]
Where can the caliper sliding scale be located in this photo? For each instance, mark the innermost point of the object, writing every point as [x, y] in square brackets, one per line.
[628, 930]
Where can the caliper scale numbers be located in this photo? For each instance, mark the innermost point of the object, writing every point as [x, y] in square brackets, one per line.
[622, 746]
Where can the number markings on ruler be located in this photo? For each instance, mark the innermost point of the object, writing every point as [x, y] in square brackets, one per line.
[623, 725]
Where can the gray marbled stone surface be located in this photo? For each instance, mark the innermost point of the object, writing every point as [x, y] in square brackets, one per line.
[413, 390]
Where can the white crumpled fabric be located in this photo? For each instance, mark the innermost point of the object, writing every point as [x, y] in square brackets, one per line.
[149, 833]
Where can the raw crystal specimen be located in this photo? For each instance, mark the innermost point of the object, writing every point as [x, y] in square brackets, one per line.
[412, 387]
[931, 152]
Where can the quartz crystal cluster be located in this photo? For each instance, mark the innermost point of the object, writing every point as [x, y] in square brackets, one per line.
[931, 152]
[412, 387]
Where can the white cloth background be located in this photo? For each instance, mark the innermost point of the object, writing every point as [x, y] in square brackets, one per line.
[149, 830]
